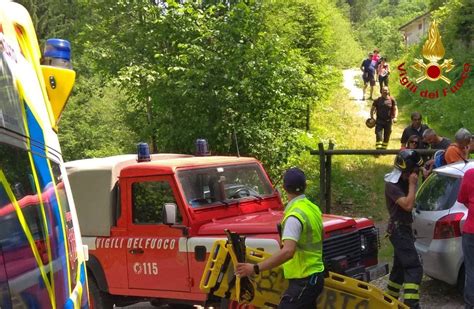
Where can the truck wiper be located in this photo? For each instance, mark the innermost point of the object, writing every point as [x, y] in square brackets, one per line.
[232, 201]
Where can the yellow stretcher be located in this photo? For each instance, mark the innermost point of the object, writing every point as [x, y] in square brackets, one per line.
[265, 290]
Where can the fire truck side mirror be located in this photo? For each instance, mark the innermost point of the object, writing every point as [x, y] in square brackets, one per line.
[169, 213]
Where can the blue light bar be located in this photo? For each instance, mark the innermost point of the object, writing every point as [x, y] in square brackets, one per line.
[202, 147]
[58, 48]
[143, 152]
[57, 53]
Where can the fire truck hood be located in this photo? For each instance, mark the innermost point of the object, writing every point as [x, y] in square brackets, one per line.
[266, 223]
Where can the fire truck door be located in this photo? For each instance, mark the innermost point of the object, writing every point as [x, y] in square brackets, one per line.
[154, 260]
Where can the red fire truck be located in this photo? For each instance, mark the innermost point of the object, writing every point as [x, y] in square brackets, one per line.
[150, 224]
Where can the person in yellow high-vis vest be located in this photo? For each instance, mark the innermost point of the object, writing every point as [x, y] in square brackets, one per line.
[302, 250]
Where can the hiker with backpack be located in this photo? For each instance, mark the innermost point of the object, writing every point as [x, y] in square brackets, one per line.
[385, 108]
[459, 150]
[383, 71]
[368, 75]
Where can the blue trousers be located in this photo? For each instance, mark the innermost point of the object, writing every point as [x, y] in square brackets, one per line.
[468, 250]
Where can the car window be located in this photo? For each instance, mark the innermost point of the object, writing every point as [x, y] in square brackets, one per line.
[439, 192]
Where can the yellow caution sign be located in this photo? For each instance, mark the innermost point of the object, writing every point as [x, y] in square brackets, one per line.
[266, 288]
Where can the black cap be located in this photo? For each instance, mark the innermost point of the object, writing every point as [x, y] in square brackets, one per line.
[294, 180]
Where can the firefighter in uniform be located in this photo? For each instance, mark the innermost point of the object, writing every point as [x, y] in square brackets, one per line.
[386, 110]
[301, 254]
[400, 188]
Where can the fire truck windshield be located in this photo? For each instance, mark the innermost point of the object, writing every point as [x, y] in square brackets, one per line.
[223, 184]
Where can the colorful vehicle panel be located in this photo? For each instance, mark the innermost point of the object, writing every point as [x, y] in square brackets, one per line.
[42, 259]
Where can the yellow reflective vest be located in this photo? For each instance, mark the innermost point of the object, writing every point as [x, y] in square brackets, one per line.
[308, 258]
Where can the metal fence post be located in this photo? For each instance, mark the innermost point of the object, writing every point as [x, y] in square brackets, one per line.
[322, 175]
[328, 179]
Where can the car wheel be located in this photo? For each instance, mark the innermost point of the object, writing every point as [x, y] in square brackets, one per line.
[98, 299]
[461, 280]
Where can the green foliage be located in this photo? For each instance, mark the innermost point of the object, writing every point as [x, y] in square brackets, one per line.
[457, 20]
[377, 22]
[206, 71]
[384, 34]
[199, 69]
[52, 18]
[316, 27]
[93, 125]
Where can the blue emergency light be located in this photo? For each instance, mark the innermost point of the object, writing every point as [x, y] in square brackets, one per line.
[202, 147]
[143, 152]
[57, 52]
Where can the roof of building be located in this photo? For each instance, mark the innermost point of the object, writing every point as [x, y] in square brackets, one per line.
[414, 20]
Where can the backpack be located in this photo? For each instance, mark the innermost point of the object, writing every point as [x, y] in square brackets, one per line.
[373, 66]
[439, 159]
[374, 63]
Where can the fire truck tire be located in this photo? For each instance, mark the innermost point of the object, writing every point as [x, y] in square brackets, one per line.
[230, 304]
[99, 299]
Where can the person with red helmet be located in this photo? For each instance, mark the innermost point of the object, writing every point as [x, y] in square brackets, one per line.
[400, 189]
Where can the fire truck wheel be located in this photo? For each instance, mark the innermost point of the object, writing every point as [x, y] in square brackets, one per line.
[230, 304]
[98, 299]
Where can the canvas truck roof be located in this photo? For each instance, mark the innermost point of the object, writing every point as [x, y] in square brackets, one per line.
[93, 182]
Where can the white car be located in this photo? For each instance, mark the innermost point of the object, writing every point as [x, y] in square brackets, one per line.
[438, 222]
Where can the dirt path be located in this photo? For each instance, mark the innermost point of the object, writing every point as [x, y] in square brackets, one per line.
[353, 83]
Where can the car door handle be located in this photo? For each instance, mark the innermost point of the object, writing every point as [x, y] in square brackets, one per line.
[136, 251]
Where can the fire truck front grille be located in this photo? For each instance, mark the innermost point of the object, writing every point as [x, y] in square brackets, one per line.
[347, 245]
